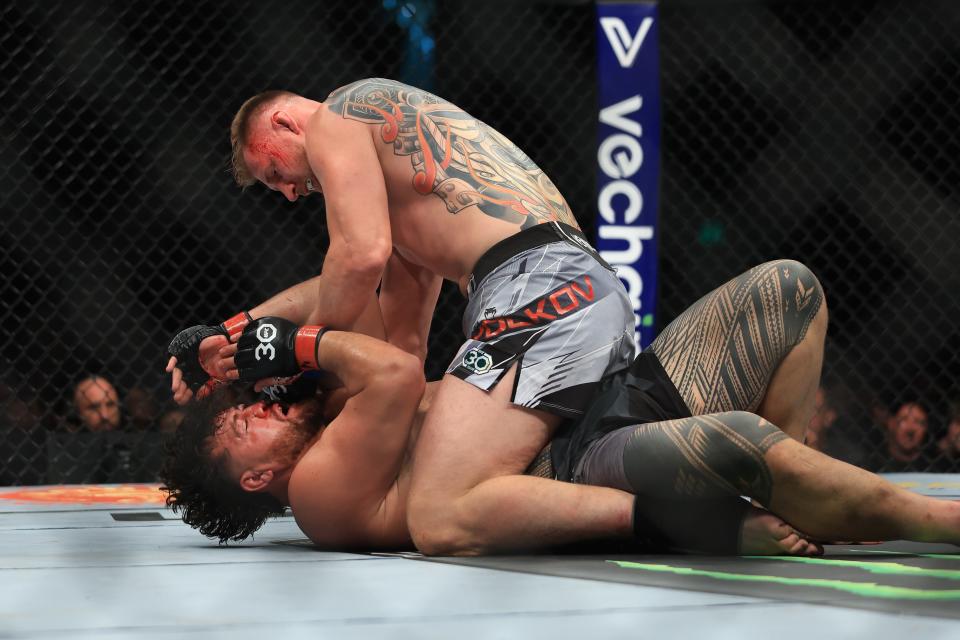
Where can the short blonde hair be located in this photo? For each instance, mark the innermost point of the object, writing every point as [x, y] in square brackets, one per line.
[240, 130]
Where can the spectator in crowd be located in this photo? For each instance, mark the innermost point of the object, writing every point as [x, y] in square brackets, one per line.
[171, 420]
[142, 412]
[105, 444]
[947, 449]
[905, 449]
[874, 421]
[97, 404]
[22, 437]
[831, 430]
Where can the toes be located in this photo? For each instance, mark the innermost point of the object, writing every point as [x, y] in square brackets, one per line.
[796, 544]
[793, 544]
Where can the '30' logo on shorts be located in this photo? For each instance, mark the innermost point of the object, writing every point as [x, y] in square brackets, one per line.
[477, 361]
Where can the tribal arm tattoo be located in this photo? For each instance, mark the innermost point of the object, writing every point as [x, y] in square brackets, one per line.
[454, 156]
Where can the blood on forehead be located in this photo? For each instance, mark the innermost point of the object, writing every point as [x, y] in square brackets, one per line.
[265, 148]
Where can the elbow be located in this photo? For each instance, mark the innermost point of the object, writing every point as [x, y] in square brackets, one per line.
[357, 264]
[368, 262]
[394, 373]
[411, 372]
[405, 370]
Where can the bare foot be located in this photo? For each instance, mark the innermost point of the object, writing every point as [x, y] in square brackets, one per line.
[764, 534]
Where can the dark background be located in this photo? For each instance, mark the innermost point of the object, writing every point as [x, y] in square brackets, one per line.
[822, 131]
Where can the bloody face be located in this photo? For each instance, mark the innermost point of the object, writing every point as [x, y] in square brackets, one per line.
[277, 158]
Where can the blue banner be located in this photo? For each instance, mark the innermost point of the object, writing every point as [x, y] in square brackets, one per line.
[628, 153]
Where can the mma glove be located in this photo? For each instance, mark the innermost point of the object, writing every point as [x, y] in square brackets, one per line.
[185, 347]
[273, 347]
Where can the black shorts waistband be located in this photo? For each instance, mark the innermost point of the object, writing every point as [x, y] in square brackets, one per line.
[530, 238]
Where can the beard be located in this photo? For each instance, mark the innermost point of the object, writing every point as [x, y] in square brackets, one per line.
[299, 433]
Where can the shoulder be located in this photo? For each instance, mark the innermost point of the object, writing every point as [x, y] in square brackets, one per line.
[321, 507]
[331, 129]
[343, 99]
[364, 86]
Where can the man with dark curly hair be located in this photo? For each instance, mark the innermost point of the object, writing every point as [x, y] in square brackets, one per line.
[341, 461]
[232, 465]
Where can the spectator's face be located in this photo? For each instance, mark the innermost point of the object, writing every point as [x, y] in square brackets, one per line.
[141, 409]
[97, 405]
[909, 428]
[953, 435]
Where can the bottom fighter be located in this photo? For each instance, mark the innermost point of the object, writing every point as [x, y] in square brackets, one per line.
[341, 459]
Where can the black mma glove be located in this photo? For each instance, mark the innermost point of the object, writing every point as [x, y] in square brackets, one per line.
[273, 347]
[185, 347]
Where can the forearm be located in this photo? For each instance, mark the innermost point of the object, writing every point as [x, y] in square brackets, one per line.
[303, 305]
[408, 297]
[363, 363]
[296, 304]
[343, 298]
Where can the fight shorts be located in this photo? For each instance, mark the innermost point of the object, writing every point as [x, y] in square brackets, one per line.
[640, 394]
[544, 299]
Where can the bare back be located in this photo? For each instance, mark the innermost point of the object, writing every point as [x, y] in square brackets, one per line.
[455, 186]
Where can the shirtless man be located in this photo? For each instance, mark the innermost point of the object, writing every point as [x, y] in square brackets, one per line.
[687, 472]
[342, 462]
[417, 190]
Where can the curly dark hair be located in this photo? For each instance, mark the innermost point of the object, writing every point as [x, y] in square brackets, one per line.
[197, 483]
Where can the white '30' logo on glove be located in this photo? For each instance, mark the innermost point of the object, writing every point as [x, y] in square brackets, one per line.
[265, 333]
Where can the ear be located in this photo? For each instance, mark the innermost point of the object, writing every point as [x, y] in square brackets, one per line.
[254, 480]
[283, 120]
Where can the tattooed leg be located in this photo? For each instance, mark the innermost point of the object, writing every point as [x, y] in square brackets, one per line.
[754, 344]
[789, 399]
[688, 475]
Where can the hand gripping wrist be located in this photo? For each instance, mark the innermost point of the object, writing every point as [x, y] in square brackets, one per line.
[306, 343]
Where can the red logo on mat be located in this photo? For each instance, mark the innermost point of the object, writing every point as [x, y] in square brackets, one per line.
[89, 494]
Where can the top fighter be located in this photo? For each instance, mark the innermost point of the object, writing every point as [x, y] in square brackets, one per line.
[417, 190]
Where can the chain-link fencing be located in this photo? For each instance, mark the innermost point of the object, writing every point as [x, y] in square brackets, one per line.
[811, 130]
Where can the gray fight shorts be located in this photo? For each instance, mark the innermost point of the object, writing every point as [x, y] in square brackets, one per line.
[543, 298]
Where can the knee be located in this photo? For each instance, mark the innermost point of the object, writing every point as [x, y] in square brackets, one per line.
[807, 296]
[802, 273]
[745, 463]
[438, 531]
[755, 429]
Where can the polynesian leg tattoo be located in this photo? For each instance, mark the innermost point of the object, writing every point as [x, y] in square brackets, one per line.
[455, 157]
[688, 475]
[705, 457]
[723, 350]
[701, 457]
